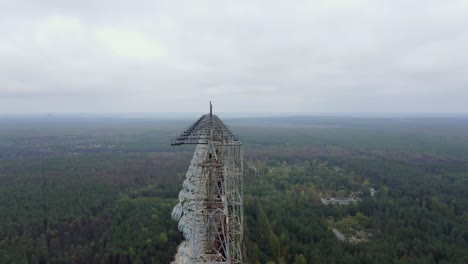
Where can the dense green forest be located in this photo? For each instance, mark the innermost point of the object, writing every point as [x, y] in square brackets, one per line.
[100, 190]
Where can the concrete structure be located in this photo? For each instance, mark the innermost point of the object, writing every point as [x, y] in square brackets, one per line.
[343, 201]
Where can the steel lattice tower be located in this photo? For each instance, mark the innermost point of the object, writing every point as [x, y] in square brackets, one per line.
[210, 208]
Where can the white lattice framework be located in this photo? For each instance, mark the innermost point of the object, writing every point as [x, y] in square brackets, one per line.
[210, 208]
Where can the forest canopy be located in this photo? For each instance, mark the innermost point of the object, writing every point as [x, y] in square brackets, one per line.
[100, 190]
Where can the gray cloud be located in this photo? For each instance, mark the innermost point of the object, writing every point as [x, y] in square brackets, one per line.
[256, 56]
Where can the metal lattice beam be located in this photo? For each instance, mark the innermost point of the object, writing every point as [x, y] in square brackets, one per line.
[210, 208]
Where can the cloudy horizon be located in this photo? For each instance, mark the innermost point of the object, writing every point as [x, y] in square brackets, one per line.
[332, 56]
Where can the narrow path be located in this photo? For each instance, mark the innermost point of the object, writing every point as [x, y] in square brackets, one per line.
[338, 234]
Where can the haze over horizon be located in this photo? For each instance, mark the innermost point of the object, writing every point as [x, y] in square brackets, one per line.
[332, 56]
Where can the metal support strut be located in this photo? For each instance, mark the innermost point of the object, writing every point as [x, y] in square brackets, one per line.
[210, 208]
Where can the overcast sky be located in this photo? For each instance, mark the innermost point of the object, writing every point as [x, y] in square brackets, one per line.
[246, 56]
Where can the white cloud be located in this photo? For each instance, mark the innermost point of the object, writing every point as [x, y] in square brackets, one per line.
[59, 27]
[130, 44]
[330, 55]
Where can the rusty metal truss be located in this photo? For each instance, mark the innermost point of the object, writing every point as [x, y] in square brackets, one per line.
[210, 208]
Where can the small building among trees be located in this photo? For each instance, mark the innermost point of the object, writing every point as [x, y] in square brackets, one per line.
[343, 201]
